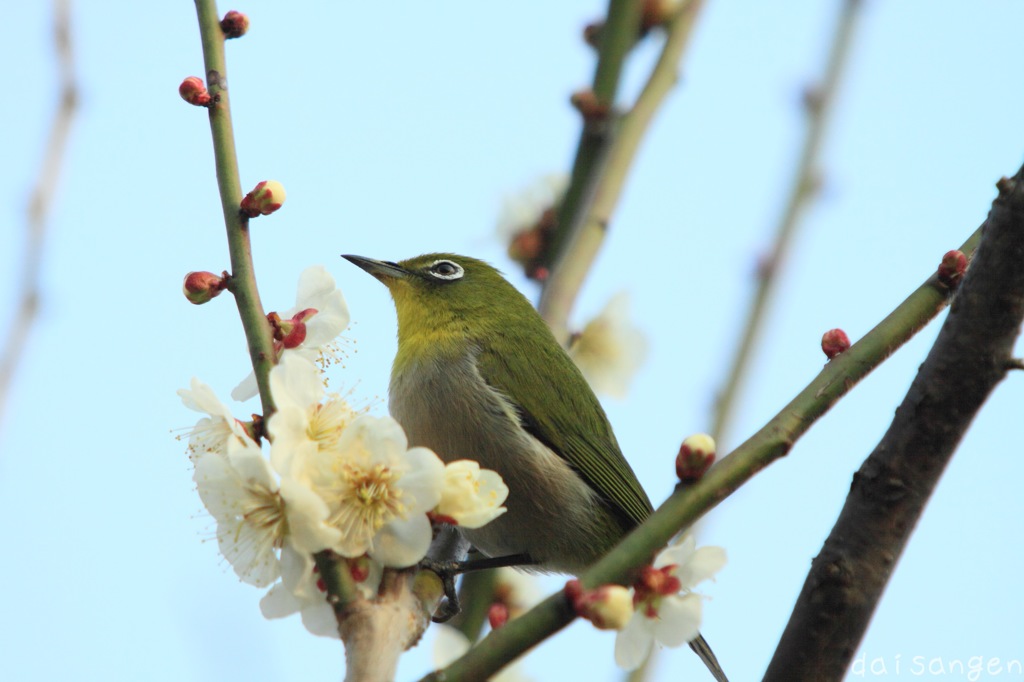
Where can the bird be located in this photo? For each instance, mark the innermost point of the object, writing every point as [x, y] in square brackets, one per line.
[479, 375]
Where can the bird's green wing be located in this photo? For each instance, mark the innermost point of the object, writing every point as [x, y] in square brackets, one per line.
[557, 406]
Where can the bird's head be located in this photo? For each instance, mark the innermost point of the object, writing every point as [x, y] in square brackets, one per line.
[445, 297]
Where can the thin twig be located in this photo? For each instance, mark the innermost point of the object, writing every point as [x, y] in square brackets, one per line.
[818, 103]
[243, 279]
[41, 201]
[584, 241]
[687, 505]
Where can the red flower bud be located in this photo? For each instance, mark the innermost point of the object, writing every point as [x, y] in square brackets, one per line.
[359, 568]
[696, 455]
[952, 268]
[264, 199]
[497, 615]
[194, 92]
[201, 287]
[234, 24]
[834, 342]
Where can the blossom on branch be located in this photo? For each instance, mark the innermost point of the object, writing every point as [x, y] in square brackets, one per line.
[471, 497]
[667, 611]
[610, 348]
[316, 291]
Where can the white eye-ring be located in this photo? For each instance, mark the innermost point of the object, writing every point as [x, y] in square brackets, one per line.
[445, 269]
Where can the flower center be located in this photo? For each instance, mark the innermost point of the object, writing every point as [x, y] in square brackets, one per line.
[370, 501]
[264, 510]
[327, 422]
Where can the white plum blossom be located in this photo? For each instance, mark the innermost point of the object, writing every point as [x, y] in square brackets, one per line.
[667, 611]
[471, 497]
[211, 433]
[378, 491]
[257, 514]
[316, 291]
[610, 348]
[303, 416]
[521, 211]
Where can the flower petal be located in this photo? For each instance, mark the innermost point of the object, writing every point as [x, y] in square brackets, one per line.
[402, 542]
[295, 381]
[678, 619]
[246, 389]
[677, 553]
[421, 485]
[704, 564]
[633, 643]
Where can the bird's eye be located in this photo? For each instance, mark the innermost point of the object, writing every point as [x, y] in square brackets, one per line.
[445, 269]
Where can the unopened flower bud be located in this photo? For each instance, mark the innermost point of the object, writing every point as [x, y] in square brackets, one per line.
[952, 268]
[592, 34]
[586, 102]
[834, 342]
[200, 287]
[609, 607]
[497, 615]
[359, 568]
[655, 13]
[264, 199]
[234, 24]
[194, 92]
[696, 455]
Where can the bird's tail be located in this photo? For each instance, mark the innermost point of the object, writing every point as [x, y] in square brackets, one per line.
[701, 647]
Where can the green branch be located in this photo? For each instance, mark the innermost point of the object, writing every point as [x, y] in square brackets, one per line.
[243, 280]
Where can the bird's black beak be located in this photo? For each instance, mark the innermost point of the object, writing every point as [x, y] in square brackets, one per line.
[381, 269]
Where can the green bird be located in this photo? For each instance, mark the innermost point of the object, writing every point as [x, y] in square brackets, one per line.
[478, 375]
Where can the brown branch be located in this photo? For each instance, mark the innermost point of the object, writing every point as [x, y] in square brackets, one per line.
[41, 201]
[888, 494]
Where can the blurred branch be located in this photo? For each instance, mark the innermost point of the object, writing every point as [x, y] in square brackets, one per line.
[243, 279]
[584, 229]
[617, 37]
[888, 494]
[818, 103]
[41, 201]
[685, 506]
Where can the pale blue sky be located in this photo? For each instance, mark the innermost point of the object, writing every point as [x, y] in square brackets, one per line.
[398, 132]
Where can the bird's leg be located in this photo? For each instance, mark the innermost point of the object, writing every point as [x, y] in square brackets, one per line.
[448, 570]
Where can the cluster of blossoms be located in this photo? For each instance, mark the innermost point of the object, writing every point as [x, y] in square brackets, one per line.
[335, 479]
[660, 607]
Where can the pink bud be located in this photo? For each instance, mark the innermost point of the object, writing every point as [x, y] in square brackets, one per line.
[497, 615]
[264, 199]
[696, 455]
[201, 287]
[834, 342]
[359, 568]
[234, 24]
[609, 607]
[194, 92]
[952, 268]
